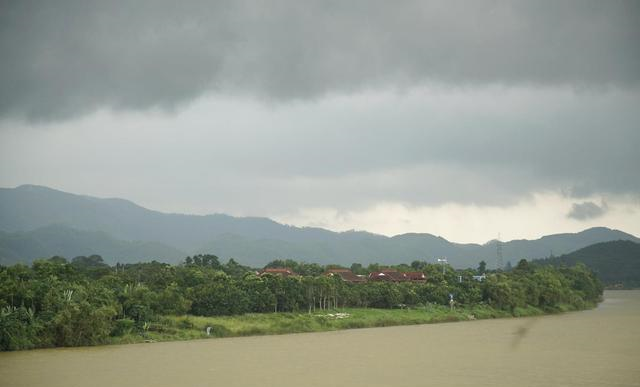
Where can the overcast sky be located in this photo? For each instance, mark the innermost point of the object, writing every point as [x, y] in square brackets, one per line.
[462, 119]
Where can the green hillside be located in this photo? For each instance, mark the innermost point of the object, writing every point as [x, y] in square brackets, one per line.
[616, 263]
[67, 242]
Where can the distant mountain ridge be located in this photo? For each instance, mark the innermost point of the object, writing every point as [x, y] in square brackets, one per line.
[254, 241]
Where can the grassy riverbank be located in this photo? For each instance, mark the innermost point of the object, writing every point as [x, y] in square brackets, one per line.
[171, 328]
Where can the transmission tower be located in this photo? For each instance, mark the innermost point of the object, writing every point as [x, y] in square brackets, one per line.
[499, 262]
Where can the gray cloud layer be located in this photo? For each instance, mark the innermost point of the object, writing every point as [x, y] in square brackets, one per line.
[423, 103]
[65, 58]
[486, 147]
[587, 211]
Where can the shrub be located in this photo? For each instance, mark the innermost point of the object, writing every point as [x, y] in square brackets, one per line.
[123, 327]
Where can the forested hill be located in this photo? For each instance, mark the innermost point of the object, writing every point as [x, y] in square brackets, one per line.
[615, 263]
[252, 241]
[25, 246]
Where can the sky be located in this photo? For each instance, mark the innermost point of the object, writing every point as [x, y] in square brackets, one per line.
[468, 120]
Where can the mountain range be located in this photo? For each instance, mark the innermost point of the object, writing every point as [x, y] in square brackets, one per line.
[37, 221]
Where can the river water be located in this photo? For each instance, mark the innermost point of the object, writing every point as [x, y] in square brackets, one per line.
[599, 347]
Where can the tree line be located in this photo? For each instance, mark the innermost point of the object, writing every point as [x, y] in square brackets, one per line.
[55, 302]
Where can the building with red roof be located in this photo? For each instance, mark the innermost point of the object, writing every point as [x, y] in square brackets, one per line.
[389, 275]
[283, 271]
[393, 275]
[415, 276]
[346, 275]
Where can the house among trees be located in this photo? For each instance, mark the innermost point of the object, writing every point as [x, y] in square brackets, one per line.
[282, 271]
[388, 275]
[393, 275]
[346, 275]
[416, 276]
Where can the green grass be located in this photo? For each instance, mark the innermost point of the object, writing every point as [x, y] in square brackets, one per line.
[170, 328]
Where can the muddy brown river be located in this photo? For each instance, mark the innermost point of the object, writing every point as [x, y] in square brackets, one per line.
[599, 347]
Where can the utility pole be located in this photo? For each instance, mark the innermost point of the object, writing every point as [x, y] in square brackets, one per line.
[443, 261]
[499, 262]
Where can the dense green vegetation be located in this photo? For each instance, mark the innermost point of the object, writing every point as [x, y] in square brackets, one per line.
[85, 302]
[617, 263]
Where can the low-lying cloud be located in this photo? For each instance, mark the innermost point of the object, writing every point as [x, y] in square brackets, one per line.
[587, 210]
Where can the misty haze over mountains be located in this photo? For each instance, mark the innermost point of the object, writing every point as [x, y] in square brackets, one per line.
[38, 222]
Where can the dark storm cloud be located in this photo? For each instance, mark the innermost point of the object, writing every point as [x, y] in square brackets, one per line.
[587, 211]
[64, 58]
[518, 141]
